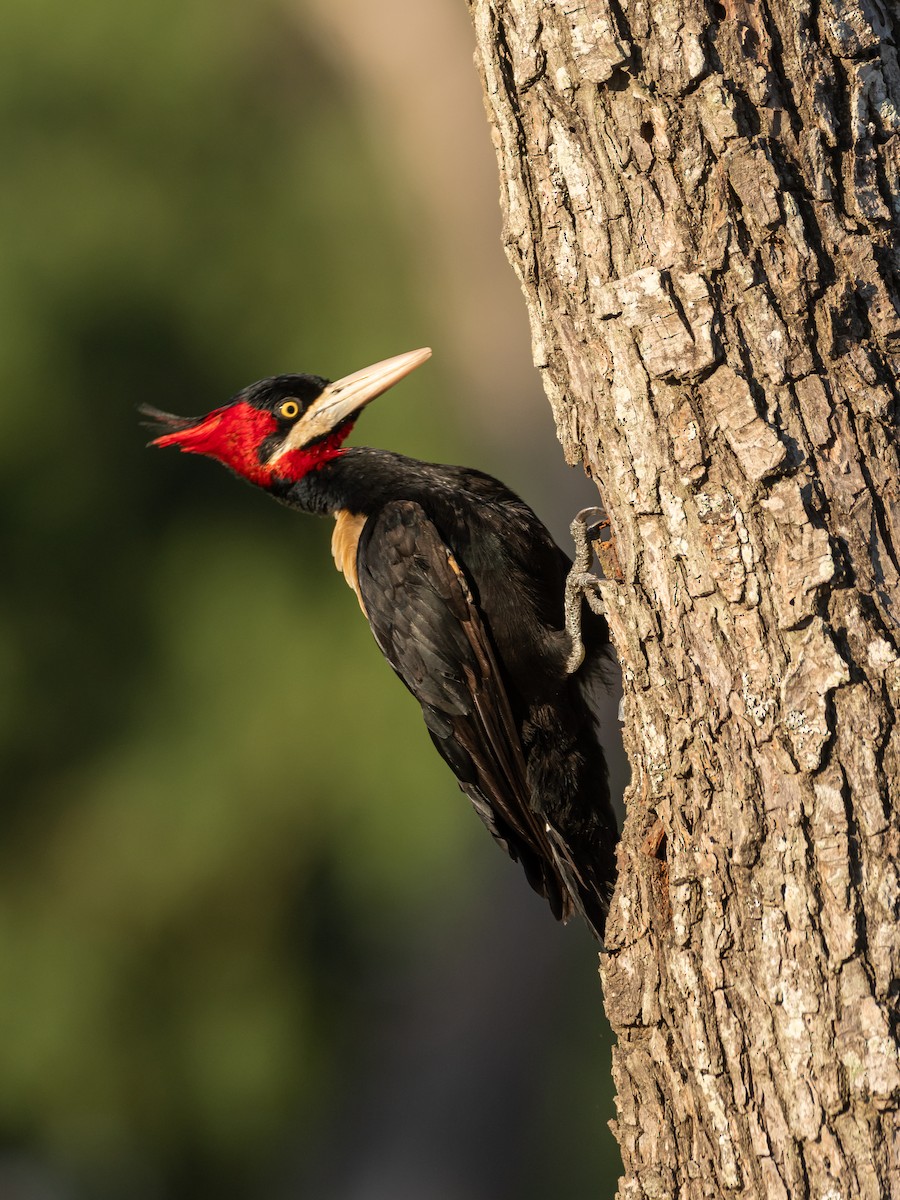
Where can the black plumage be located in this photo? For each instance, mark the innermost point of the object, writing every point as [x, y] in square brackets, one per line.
[463, 588]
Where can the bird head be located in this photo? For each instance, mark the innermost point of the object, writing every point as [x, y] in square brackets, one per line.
[281, 428]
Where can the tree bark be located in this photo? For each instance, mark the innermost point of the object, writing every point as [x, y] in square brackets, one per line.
[701, 202]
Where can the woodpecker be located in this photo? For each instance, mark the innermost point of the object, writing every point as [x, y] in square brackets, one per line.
[469, 599]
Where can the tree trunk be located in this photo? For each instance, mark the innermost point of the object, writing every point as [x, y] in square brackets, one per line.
[701, 203]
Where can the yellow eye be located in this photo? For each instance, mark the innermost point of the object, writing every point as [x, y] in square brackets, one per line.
[288, 409]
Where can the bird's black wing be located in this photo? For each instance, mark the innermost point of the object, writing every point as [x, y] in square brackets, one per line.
[425, 619]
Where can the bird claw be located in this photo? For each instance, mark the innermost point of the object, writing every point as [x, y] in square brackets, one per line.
[580, 583]
[589, 524]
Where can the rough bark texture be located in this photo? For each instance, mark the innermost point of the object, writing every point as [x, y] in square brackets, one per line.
[701, 202]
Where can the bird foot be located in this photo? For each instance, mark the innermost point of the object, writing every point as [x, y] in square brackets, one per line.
[581, 585]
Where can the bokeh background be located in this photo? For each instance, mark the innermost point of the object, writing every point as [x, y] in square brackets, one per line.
[253, 942]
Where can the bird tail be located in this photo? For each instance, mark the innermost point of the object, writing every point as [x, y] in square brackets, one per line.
[567, 782]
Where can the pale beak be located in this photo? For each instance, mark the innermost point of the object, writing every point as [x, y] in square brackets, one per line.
[346, 397]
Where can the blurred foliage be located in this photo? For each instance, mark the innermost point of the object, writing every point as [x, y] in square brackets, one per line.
[219, 809]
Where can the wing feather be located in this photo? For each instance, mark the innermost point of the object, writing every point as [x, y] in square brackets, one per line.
[426, 621]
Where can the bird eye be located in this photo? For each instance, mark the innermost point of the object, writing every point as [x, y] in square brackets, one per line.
[288, 409]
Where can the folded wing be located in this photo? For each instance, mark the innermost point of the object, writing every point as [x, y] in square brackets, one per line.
[425, 618]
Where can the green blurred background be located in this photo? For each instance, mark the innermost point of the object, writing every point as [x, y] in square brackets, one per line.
[253, 942]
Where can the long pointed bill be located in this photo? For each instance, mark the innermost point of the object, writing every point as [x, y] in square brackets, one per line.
[346, 397]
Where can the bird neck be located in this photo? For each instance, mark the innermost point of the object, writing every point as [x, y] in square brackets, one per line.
[358, 480]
